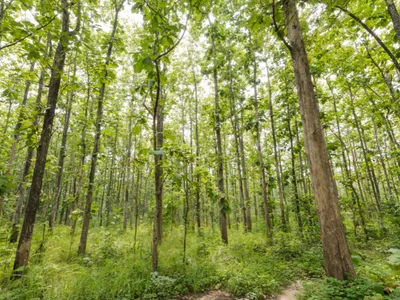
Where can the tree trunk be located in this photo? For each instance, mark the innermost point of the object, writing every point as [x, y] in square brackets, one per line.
[62, 155]
[19, 123]
[96, 146]
[128, 170]
[158, 142]
[235, 128]
[196, 115]
[263, 183]
[28, 158]
[277, 168]
[24, 244]
[294, 178]
[368, 163]
[111, 178]
[79, 175]
[223, 205]
[348, 177]
[394, 15]
[337, 259]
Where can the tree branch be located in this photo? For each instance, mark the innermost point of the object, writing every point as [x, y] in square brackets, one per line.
[179, 40]
[369, 30]
[29, 34]
[281, 37]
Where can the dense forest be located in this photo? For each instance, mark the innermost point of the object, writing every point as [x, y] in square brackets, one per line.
[159, 149]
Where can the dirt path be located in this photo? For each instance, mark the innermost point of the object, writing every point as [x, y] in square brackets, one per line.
[212, 295]
[288, 293]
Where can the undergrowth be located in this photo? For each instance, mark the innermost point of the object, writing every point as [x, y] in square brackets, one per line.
[114, 269]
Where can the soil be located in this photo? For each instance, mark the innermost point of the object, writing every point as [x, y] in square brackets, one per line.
[288, 293]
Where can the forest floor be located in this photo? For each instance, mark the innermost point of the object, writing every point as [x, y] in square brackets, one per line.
[249, 267]
[288, 293]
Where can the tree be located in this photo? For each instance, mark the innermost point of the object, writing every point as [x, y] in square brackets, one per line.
[336, 252]
[25, 239]
[99, 118]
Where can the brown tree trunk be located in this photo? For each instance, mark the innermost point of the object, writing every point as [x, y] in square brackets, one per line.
[25, 239]
[338, 263]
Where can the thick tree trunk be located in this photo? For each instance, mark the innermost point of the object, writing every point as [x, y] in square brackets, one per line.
[24, 244]
[338, 263]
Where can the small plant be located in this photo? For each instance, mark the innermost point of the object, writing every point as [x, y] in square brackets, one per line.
[330, 288]
[394, 258]
[161, 287]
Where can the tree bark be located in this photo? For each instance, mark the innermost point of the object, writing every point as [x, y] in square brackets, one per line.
[337, 259]
[394, 15]
[25, 240]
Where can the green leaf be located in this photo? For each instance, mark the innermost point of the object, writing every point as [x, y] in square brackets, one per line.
[138, 67]
[137, 129]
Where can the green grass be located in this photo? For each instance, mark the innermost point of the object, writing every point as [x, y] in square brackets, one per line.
[113, 269]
